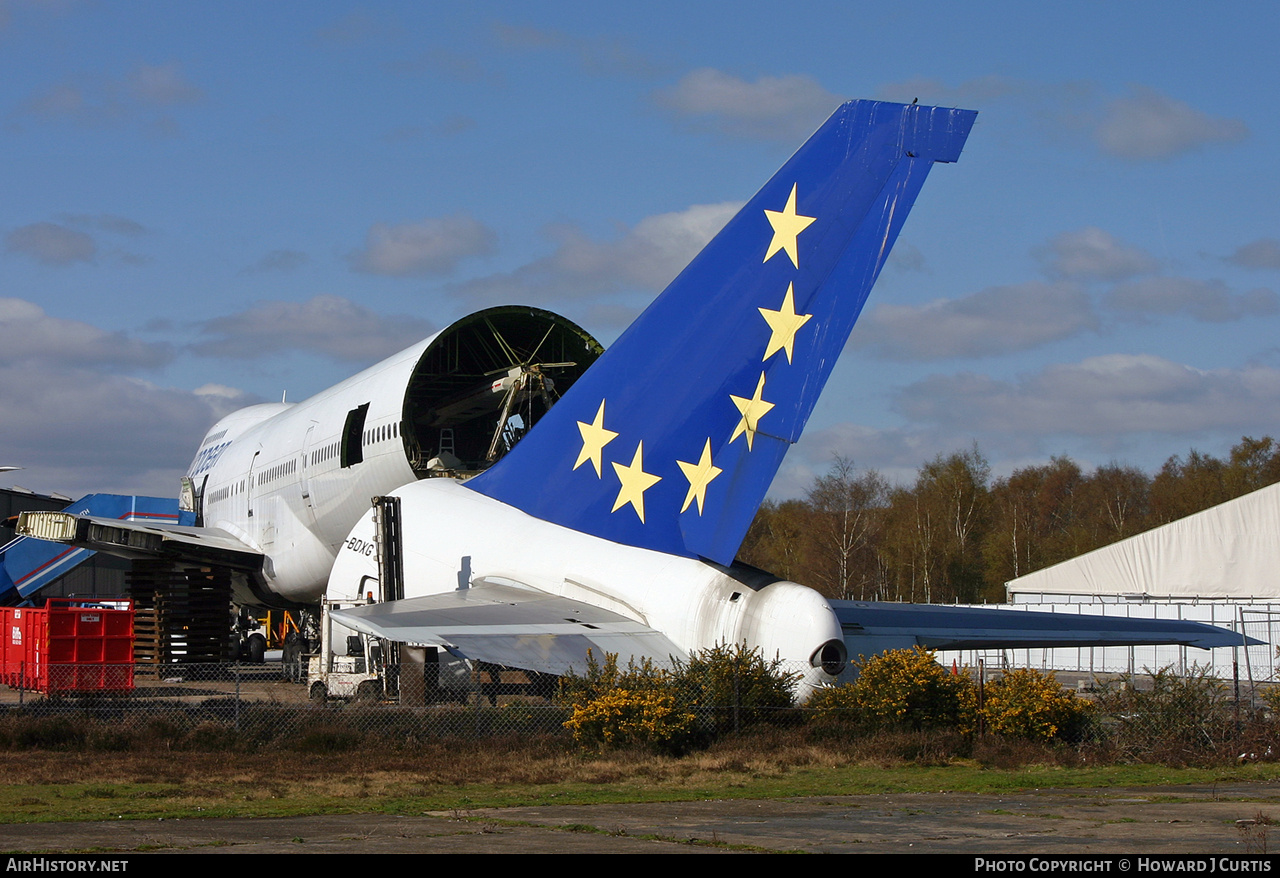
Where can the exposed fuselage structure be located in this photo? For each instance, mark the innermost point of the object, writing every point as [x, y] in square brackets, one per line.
[290, 480]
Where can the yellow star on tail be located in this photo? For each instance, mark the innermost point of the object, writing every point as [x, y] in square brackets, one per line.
[594, 438]
[752, 411]
[783, 324]
[635, 481]
[787, 225]
[699, 475]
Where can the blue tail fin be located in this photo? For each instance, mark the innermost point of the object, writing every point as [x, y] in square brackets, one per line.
[670, 440]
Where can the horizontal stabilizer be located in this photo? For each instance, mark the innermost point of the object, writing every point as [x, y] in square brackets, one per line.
[882, 626]
[511, 626]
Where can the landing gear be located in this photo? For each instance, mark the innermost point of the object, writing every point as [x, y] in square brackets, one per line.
[255, 649]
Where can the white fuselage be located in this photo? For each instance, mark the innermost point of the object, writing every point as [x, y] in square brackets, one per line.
[272, 475]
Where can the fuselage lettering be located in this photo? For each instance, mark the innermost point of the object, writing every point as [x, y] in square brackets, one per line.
[360, 547]
[207, 458]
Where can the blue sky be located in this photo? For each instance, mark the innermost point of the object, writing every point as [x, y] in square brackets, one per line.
[206, 205]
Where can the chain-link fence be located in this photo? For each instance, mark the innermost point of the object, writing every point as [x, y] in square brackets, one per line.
[1257, 620]
[274, 704]
[1161, 716]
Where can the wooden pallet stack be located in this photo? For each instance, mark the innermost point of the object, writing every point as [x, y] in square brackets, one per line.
[182, 614]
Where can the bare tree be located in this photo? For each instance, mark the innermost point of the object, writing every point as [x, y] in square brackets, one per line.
[847, 513]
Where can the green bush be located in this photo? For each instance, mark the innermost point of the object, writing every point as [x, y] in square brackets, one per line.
[627, 717]
[1176, 720]
[908, 688]
[718, 690]
[598, 679]
[835, 705]
[732, 687]
[1025, 703]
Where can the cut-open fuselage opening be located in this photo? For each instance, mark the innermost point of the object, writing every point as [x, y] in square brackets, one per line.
[484, 382]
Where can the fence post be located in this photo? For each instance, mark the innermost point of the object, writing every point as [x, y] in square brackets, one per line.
[982, 683]
[737, 699]
[236, 671]
[1235, 679]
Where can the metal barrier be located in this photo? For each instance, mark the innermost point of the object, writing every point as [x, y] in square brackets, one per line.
[1163, 716]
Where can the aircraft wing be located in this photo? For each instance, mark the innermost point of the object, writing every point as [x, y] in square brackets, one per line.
[871, 627]
[139, 539]
[511, 626]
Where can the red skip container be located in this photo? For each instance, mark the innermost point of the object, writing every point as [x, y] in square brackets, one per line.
[71, 646]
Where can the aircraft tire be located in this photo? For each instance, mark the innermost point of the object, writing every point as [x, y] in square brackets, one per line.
[256, 649]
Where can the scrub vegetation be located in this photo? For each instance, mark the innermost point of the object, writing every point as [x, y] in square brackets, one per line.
[717, 691]
[457, 775]
[635, 734]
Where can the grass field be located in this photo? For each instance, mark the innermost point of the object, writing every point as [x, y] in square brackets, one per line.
[41, 786]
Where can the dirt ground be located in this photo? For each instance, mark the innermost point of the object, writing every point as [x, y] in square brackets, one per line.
[1227, 819]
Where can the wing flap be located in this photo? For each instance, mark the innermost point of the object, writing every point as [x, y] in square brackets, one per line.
[512, 626]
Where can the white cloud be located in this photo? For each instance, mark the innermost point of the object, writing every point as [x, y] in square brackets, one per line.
[1142, 124]
[277, 260]
[907, 257]
[652, 253]
[1148, 125]
[980, 90]
[328, 325]
[1092, 254]
[96, 100]
[1098, 397]
[355, 28]
[1208, 301]
[105, 222]
[783, 108]
[29, 335]
[1262, 253]
[79, 430]
[65, 100]
[646, 257]
[220, 396]
[432, 246]
[51, 244]
[162, 85]
[994, 321]
[598, 55]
